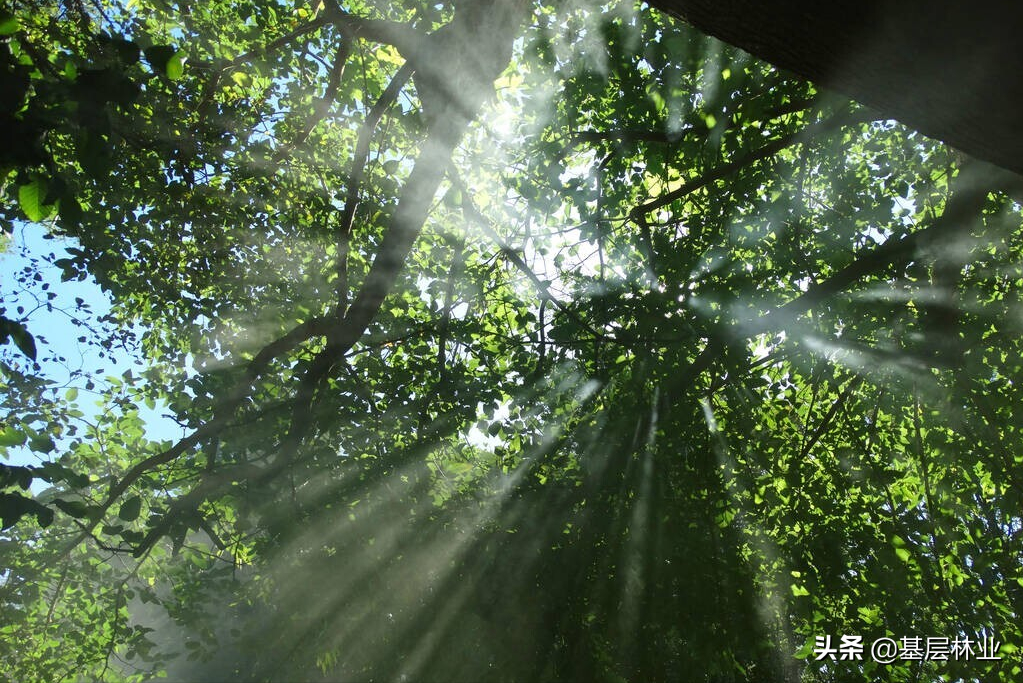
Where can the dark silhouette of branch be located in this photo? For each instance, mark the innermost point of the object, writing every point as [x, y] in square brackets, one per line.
[337, 70]
[344, 230]
[449, 302]
[277, 43]
[473, 214]
[969, 196]
[829, 417]
[770, 149]
[224, 411]
[671, 137]
[404, 37]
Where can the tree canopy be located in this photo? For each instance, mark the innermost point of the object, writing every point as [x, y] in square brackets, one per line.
[508, 341]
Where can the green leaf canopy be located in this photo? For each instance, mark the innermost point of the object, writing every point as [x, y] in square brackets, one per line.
[506, 341]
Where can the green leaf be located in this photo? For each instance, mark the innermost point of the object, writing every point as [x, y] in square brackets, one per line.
[130, 509]
[806, 650]
[75, 508]
[167, 60]
[30, 198]
[9, 436]
[42, 443]
[453, 198]
[159, 56]
[8, 23]
[176, 65]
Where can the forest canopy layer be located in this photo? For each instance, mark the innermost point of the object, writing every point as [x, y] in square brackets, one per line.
[500, 340]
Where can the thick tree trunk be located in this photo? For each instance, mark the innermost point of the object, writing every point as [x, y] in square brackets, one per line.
[950, 70]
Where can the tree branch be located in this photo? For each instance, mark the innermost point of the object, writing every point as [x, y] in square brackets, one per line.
[404, 37]
[976, 180]
[277, 43]
[490, 32]
[672, 137]
[449, 296]
[829, 417]
[474, 215]
[322, 107]
[301, 333]
[387, 98]
[770, 149]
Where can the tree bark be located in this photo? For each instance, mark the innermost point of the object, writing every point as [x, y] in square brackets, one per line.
[949, 70]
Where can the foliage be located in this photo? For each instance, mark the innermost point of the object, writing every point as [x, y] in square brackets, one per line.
[511, 341]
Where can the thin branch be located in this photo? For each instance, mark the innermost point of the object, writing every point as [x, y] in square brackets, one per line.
[277, 43]
[963, 208]
[627, 135]
[770, 149]
[302, 413]
[301, 333]
[541, 362]
[449, 296]
[829, 417]
[188, 504]
[205, 525]
[322, 107]
[474, 214]
[387, 98]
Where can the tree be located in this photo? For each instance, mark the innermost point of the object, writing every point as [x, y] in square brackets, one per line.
[499, 355]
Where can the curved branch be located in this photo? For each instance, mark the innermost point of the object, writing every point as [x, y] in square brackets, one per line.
[975, 181]
[404, 37]
[449, 296]
[387, 98]
[277, 43]
[474, 214]
[630, 135]
[322, 107]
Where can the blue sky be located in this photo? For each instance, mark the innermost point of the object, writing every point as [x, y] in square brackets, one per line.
[59, 314]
